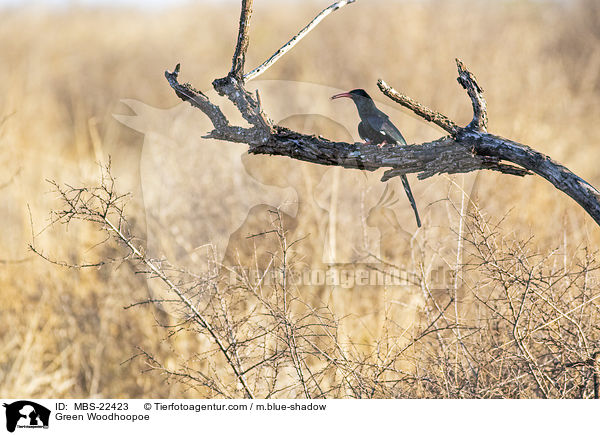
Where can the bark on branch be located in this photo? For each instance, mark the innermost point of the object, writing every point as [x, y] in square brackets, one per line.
[239, 57]
[467, 149]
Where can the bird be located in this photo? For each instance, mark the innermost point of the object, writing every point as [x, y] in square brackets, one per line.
[376, 127]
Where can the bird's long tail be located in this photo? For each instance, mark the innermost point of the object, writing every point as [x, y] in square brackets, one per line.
[410, 198]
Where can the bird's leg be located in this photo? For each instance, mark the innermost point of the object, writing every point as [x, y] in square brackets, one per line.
[380, 145]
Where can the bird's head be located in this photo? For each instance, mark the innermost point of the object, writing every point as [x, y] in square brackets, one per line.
[354, 94]
[360, 97]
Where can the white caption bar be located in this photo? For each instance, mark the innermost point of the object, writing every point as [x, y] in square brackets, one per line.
[24, 416]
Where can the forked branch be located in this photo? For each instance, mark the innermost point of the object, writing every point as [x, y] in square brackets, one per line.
[467, 149]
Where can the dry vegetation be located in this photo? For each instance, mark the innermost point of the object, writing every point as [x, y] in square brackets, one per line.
[498, 290]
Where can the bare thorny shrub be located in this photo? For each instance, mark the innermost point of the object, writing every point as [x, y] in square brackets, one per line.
[527, 324]
[515, 323]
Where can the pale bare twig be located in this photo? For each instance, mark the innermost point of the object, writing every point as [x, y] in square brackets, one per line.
[297, 38]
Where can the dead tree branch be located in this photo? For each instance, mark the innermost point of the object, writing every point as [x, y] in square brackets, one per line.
[469, 148]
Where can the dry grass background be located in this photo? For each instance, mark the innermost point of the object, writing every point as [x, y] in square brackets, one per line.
[64, 73]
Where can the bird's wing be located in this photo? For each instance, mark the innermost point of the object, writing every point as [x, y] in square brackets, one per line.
[382, 124]
[365, 132]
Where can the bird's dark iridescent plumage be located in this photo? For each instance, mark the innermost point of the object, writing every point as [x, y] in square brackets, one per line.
[376, 127]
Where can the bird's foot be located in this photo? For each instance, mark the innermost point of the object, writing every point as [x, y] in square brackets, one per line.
[380, 145]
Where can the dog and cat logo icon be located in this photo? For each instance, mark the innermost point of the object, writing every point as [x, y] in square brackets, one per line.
[26, 414]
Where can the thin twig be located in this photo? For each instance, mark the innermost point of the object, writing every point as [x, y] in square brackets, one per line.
[292, 42]
[420, 110]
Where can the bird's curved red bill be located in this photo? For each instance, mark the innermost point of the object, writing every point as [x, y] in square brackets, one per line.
[343, 94]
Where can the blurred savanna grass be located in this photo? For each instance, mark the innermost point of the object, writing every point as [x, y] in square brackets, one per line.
[65, 71]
